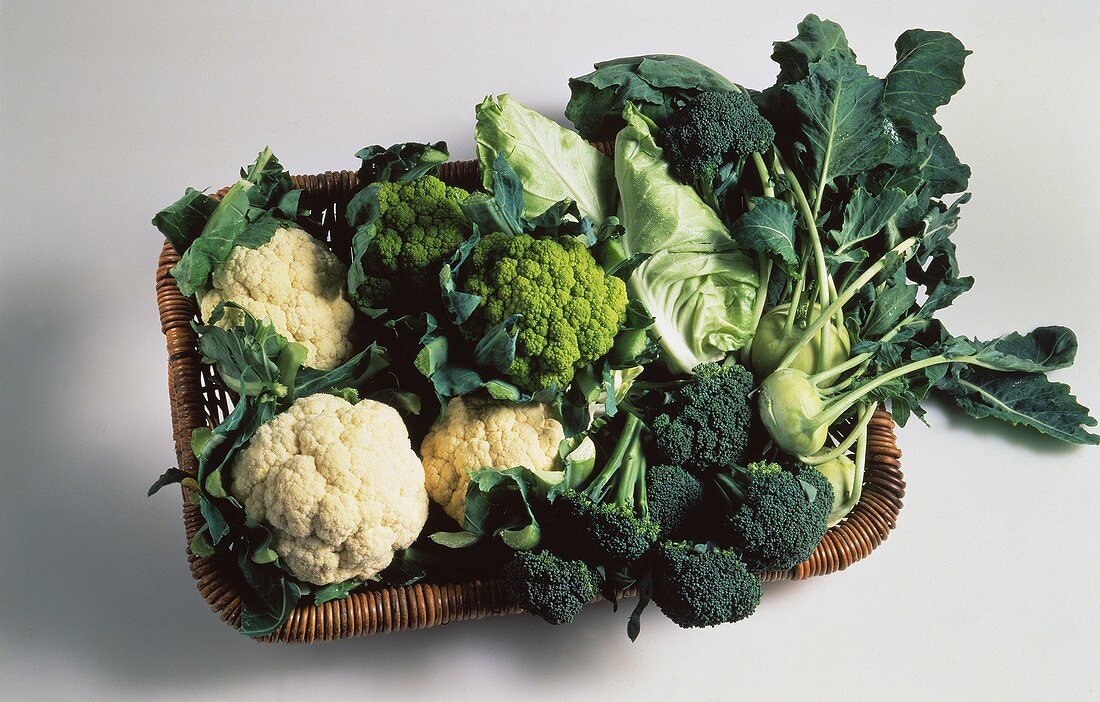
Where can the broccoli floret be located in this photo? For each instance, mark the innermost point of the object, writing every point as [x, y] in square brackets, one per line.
[552, 587]
[698, 585]
[713, 128]
[420, 226]
[775, 518]
[674, 496]
[706, 423]
[570, 309]
[608, 520]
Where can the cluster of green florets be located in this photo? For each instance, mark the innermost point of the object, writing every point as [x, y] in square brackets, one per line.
[419, 228]
[776, 517]
[711, 129]
[698, 585]
[552, 587]
[707, 422]
[569, 308]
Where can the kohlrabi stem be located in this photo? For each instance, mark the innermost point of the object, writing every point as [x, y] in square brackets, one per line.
[864, 415]
[796, 298]
[599, 484]
[810, 222]
[834, 410]
[809, 219]
[830, 373]
[765, 176]
[763, 263]
[903, 249]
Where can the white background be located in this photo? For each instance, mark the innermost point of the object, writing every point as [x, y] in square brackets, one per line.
[987, 590]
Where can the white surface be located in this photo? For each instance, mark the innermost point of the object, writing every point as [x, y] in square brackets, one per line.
[987, 590]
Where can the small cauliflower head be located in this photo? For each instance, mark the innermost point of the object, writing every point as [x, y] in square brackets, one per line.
[338, 484]
[294, 282]
[477, 433]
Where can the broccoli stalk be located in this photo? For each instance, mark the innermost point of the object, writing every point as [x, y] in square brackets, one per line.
[699, 585]
[609, 519]
[773, 517]
[552, 587]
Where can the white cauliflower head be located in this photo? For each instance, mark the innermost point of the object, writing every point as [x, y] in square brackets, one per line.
[338, 484]
[478, 432]
[297, 284]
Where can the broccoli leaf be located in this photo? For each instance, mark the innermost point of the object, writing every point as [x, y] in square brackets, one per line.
[497, 349]
[768, 228]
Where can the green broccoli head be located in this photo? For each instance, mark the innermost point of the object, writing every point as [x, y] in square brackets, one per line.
[419, 228]
[776, 517]
[552, 587]
[707, 422]
[699, 585]
[609, 533]
[711, 129]
[674, 496]
[570, 309]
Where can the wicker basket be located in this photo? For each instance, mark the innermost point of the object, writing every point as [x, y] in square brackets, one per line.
[198, 400]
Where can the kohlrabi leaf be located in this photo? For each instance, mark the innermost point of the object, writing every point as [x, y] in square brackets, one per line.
[1018, 398]
[768, 228]
[400, 162]
[1040, 350]
[929, 70]
[816, 40]
[837, 121]
[552, 162]
[893, 300]
[866, 215]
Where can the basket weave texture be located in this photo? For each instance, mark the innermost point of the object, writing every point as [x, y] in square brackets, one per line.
[198, 399]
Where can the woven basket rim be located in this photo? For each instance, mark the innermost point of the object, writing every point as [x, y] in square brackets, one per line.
[431, 604]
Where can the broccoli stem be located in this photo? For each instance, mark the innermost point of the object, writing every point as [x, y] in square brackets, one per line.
[904, 249]
[598, 488]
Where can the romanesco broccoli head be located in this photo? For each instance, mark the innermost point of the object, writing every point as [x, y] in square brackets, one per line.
[420, 226]
[570, 308]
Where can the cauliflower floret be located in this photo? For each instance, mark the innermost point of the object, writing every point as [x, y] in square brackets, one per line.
[477, 433]
[297, 284]
[338, 484]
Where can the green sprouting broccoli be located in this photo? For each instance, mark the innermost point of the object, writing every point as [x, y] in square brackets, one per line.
[714, 128]
[608, 521]
[674, 496]
[773, 517]
[420, 226]
[698, 585]
[706, 422]
[570, 310]
[550, 586]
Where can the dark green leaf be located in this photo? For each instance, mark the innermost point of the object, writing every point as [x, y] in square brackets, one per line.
[215, 521]
[1022, 398]
[171, 476]
[768, 228]
[838, 121]
[497, 349]
[335, 591]
[1040, 350]
[257, 623]
[182, 222]
[929, 70]
[200, 545]
[400, 162]
[866, 215]
[816, 40]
